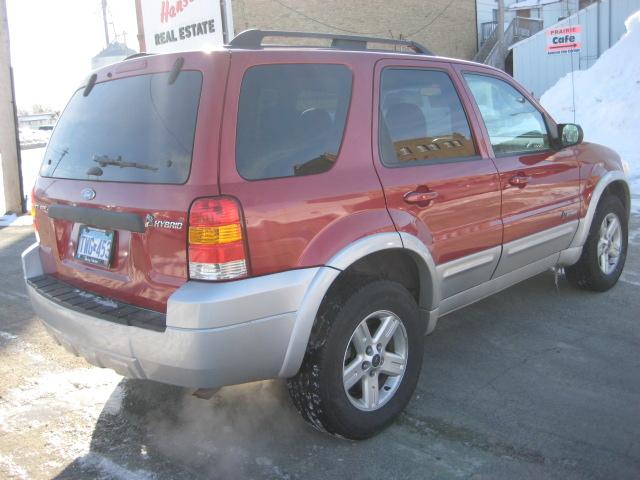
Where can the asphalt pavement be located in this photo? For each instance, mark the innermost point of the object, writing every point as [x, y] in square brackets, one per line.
[539, 381]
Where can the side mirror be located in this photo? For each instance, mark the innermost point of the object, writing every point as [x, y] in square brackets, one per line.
[570, 134]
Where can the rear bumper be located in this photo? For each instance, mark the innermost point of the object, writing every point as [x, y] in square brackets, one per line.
[216, 334]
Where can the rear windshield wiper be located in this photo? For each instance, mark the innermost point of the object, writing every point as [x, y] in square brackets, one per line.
[104, 160]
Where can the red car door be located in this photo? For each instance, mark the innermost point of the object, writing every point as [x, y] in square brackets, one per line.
[540, 184]
[439, 182]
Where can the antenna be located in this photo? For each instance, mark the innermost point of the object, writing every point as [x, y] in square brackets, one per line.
[104, 20]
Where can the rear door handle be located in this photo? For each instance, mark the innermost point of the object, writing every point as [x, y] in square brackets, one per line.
[420, 197]
[519, 180]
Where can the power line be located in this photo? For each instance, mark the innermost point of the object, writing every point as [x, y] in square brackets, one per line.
[302, 14]
[333, 27]
[410, 34]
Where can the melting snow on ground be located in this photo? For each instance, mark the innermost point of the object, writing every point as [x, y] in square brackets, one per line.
[64, 408]
[607, 101]
[81, 391]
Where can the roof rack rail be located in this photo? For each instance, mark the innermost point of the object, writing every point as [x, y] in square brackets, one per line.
[253, 38]
[136, 55]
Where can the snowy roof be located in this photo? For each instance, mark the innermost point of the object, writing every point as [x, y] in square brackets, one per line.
[37, 116]
[530, 4]
[115, 49]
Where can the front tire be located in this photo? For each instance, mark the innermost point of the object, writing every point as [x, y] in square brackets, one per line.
[362, 361]
[605, 251]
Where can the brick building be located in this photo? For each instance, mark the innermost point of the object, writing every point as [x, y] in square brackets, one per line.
[447, 27]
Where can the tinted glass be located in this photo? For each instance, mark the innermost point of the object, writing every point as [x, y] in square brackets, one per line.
[136, 129]
[421, 118]
[513, 123]
[291, 119]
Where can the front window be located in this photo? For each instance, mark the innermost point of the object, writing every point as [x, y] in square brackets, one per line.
[513, 123]
[135, 129]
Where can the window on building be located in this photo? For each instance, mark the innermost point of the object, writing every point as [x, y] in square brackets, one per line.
[421, 118]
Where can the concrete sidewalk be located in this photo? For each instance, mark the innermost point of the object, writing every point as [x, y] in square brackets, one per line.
[535, 382]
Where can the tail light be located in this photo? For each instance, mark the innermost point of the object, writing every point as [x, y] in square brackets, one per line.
[32, 210]
[216, 240]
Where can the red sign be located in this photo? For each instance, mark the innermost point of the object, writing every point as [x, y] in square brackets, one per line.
[171, 9]
[564, 39]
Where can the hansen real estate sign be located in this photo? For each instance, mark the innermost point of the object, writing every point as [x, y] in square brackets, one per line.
[178, 25]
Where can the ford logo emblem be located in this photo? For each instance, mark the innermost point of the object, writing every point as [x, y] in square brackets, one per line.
[88, 193]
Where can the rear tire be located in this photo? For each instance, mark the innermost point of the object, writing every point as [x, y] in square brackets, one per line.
[340, 354]
[605, 251]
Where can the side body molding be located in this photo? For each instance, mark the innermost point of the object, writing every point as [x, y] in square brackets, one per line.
[341, 261]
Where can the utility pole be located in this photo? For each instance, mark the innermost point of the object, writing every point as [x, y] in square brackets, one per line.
[104, 19]
[10, 181]
[500, 34]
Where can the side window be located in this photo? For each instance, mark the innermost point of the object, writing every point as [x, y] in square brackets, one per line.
[421, 118]
[291, 119]
[513, 123]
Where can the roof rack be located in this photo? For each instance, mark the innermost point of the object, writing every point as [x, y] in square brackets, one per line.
[252, 39]
[137, 55]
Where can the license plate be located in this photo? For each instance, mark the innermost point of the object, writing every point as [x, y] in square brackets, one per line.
[95, 246]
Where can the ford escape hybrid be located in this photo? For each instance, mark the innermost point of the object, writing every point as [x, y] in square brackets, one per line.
[308, 213]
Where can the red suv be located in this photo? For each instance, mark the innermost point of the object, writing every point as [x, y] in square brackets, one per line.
[207, 219]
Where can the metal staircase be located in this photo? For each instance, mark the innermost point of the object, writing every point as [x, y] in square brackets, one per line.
[493, 52]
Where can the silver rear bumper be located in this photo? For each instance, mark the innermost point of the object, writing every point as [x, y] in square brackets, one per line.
[216, 334]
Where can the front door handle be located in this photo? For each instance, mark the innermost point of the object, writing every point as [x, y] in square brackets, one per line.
[519, 180]
[420, 197]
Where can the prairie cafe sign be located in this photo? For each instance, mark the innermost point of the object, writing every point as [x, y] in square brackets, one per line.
[564, 39]
[177, 25]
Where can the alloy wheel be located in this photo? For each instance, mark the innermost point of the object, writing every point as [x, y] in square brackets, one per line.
[375, 360]
[609, 243]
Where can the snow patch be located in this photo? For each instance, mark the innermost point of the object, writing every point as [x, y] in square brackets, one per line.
[19, 345]
[112, 469]
[7, 336]
[82, 392]
[607, 103]
[99, 300]
[13, 470]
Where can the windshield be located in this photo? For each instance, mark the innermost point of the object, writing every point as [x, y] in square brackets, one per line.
[136, 129]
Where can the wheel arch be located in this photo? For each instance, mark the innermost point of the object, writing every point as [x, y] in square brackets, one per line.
[611, 183]
[381, 255]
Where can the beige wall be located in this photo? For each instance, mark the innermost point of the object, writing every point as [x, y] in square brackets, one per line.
[10, 200]
[446, 27]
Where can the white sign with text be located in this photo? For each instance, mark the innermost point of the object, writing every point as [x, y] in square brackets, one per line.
[564, 39]
[178, 25]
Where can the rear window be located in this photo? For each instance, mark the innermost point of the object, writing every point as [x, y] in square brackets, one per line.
[291, 119]
[137, 129]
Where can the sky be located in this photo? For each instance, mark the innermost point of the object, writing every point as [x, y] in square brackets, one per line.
[52, 42]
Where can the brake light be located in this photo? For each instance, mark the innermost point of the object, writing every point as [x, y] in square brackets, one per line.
[32, 210]
[216, 240]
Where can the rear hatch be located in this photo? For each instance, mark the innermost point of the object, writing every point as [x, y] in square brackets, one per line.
[124, 163]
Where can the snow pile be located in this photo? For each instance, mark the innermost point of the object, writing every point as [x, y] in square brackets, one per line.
[607, 100]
